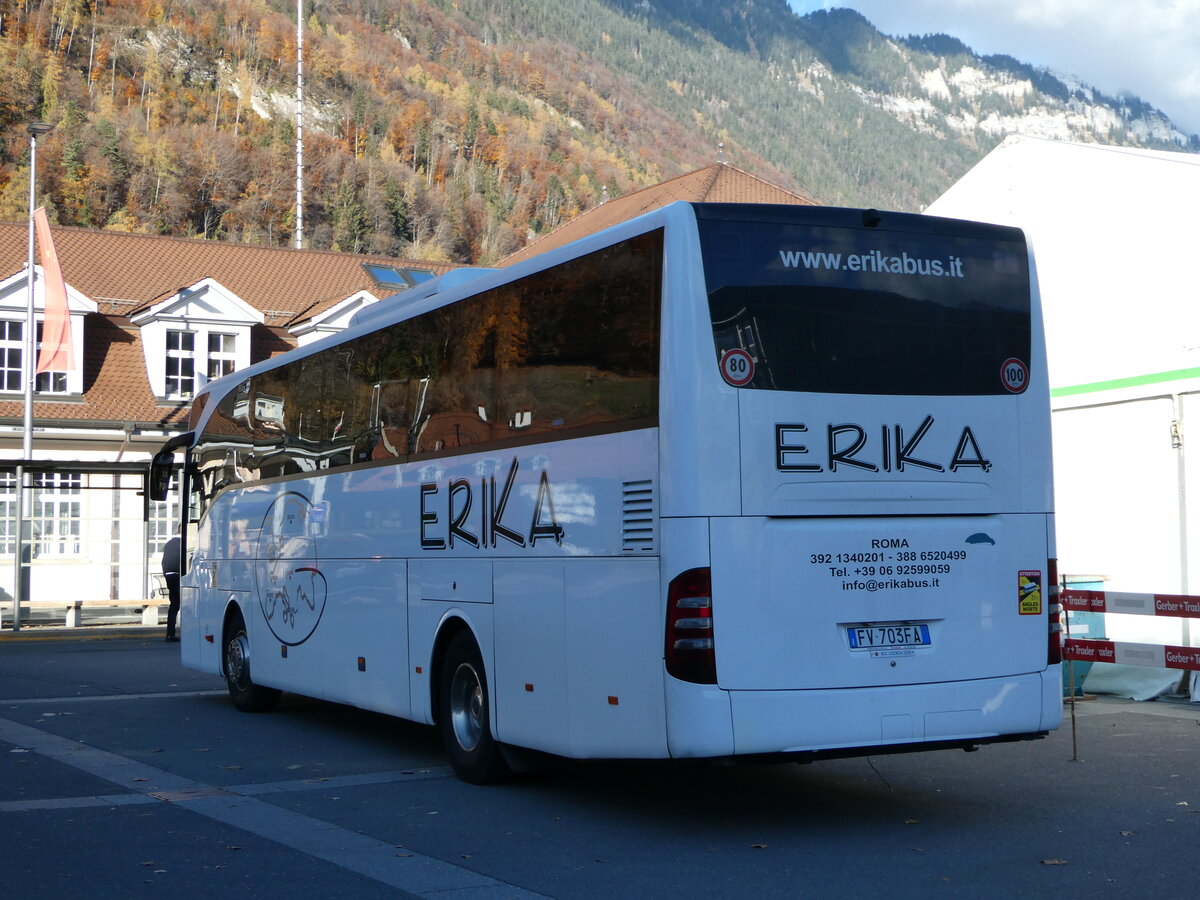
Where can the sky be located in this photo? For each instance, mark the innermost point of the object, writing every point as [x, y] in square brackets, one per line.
[1150, 48]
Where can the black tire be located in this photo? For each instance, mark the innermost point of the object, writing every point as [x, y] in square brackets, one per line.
[245, 694]
[463, 714]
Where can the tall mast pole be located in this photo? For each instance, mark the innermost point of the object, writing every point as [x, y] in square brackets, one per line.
[299, 124]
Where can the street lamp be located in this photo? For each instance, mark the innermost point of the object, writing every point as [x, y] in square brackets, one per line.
[28, 367]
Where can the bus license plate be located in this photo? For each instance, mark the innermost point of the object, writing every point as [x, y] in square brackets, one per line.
[888, 637]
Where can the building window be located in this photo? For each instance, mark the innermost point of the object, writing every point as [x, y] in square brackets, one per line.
[222, 357]
[57, 513]
[12, 348]
[181, 364]
[8, 512]
[48, 382]
[397, 279]
[51, 383]
[164, 522]
[196, 357]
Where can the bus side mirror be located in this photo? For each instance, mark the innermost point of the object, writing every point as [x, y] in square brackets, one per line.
[160, 474]
[163, 462]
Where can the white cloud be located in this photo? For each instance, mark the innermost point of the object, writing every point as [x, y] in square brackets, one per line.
[1150, 48]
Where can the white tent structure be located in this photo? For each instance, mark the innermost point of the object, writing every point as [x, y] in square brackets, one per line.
[1116, 238]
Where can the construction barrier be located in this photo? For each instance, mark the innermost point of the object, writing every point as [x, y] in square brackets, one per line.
[1178, 606]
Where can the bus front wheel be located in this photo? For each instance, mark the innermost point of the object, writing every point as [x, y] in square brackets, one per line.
[245, 694]
[463, 715]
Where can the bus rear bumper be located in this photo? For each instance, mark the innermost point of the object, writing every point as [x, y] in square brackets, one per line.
[886, 718]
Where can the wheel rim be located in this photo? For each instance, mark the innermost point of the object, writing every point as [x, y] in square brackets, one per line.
[237, 660]
[466, 706]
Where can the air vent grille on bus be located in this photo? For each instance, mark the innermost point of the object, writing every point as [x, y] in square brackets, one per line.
[637, 520]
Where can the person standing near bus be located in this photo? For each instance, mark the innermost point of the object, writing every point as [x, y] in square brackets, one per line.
[170, 570]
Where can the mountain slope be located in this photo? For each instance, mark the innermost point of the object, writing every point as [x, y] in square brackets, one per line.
[458, 129]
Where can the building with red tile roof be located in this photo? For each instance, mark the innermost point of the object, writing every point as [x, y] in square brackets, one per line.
[127, 274]
[718, 183]
[152, 319]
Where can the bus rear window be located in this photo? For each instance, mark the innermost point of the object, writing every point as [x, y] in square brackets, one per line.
[917, 306]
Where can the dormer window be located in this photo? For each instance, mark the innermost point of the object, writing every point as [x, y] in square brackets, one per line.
[13, 302]
[12, 348]
[222, 354]
[332, 319]
[198, 334]
[182, 361]
[181, 364]
[209, 354]
[49, 382]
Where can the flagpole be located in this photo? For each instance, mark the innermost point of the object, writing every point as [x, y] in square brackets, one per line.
[24, 491]
[34, 129]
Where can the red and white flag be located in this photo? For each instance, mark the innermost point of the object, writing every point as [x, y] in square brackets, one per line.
[56, 355]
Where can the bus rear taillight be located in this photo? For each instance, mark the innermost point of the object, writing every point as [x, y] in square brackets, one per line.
[690, 651]
[1054, 608]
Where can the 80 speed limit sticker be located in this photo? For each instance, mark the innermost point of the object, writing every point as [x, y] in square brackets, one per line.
[737, 367]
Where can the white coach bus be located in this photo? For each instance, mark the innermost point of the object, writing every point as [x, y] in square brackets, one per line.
[722, 481]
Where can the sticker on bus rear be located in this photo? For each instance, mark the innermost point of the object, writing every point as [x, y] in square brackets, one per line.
[1029, 593]
[737, 367]
[1015, 375]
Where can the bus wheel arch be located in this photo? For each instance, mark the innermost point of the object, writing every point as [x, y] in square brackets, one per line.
[446, 633]
[235, 666]
[462, 706]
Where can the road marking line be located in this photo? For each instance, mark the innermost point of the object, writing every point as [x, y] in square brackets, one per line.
[7, 806]
[242, 790]
[422, 876]
[160, 695]
[422, 773]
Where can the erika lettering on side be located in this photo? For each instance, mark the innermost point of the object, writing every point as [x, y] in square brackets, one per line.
[457, 523]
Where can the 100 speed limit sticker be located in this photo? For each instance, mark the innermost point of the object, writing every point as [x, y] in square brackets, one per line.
[1015, 375]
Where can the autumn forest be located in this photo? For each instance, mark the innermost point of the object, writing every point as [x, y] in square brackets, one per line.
[178, 118]
[456, 130]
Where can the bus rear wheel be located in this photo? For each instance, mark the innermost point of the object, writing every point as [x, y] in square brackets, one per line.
[245, 694]
[463, 714]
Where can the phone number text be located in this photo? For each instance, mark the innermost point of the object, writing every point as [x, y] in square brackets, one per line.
[877, 556]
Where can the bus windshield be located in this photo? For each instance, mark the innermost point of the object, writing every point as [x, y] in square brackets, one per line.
[852, 310]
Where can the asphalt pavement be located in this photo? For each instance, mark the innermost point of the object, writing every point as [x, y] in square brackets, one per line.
[125, 774]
